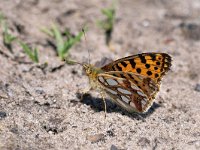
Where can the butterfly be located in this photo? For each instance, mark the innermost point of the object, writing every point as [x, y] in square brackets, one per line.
[132, 82]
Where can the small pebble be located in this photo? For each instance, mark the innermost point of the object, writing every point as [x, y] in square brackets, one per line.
[113, 147]
[197, 88]
[2, 114]
[143, 142]
[95, 138]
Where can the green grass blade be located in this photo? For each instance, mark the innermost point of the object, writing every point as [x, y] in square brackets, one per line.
[48, 32]
[33, 55]
[70, 42]
[2, 18]
[7, 37]
[62, 45]
[36, 55]
[59, 40]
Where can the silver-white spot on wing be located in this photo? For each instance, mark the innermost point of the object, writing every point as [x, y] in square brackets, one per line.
[133, 86]
[111, 82]
[121, 103]
[125, 99]
[120, 81]
[144, 102]
[141, 94]
[124, 91]
[140, 77]
[133, 105]
[151, 85]
[101, 79]
[111, 91]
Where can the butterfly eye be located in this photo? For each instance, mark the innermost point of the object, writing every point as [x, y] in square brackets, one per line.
[87, 69]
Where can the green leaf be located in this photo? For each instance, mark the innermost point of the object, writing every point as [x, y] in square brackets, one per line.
[2, 18]
[7, 37]
[70, 42]
[36, 55]
[63, 41]
[33, 54]
[48, 32]
[108, 23]
[59, 40]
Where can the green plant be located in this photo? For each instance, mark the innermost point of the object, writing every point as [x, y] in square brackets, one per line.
[32, 53]
[63, 41]
[7, 37]
[108, 23]
[2, 18]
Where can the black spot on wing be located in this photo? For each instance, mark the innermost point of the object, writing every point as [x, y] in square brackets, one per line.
[143, 60]
[122, 76]
[138, 70]
[118, 67]
[149, 73]
[158, 63]
[114, 75]
[123, 64]
[153, 57]
[136, 81]
[156, 75]
[132, 63]
[147, 66]
[113, 67]
[130, 76]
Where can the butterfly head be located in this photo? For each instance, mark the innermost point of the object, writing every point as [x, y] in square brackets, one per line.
[89, 69]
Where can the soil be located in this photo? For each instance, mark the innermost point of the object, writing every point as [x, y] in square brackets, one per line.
[39, 106]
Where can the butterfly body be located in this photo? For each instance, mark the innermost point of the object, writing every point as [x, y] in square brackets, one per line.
[92, 72]
[132, 82]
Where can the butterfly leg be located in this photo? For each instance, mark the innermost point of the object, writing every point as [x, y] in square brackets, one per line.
[104, 101]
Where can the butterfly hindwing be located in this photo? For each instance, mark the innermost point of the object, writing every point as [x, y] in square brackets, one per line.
[125, 92]
[146, 84]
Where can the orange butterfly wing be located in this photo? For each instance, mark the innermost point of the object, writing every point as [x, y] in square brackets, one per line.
[152, 65]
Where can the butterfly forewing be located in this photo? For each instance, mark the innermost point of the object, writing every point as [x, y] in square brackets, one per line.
[152, 65]
[126, 92]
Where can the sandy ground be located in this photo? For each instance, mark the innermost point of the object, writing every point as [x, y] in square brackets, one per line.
[39, 109]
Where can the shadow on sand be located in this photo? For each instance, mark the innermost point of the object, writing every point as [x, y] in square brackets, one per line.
[97, 105]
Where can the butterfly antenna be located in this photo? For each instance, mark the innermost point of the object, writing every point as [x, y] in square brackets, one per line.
[83, 30]
[72, 62]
